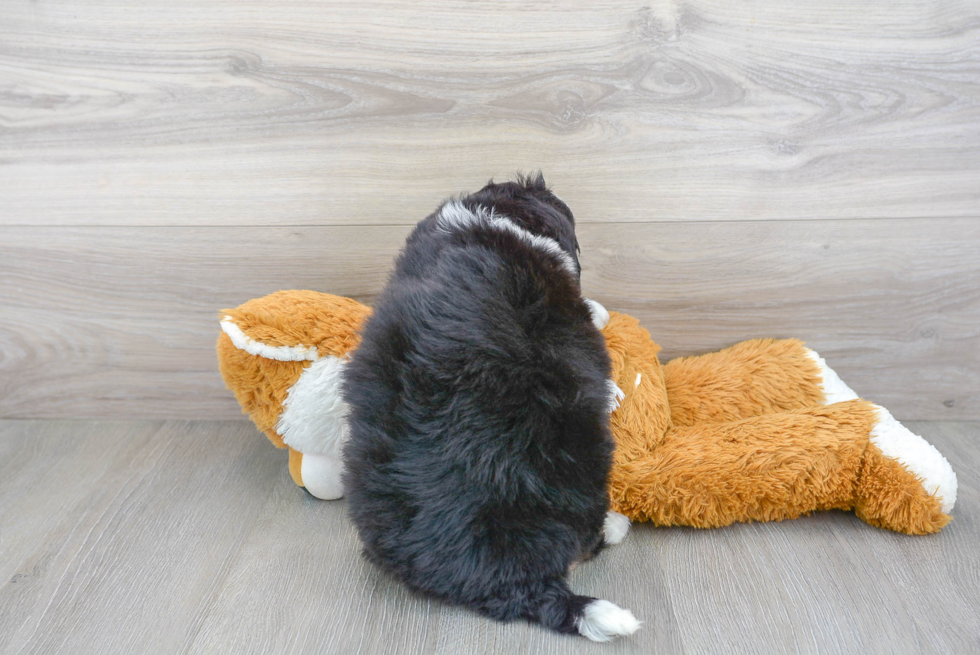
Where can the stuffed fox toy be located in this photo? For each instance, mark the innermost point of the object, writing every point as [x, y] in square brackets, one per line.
[283, 356]
[761, 431]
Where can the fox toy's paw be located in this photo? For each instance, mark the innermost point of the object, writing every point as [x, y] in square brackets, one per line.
[320, 474]
[905, 483]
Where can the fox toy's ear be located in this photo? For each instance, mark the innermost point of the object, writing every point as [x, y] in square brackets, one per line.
[264, 340]
[296, 325]
[260, 383]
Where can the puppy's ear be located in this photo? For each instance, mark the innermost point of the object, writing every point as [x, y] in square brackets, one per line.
[532, 182]
[537, 182]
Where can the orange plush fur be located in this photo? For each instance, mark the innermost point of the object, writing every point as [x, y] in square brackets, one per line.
[743, 435]
[308, 320]
[738, 435]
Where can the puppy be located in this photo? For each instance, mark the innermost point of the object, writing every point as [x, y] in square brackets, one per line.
[479, 442]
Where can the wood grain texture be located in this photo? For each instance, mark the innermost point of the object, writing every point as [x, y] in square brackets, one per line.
[804, 586]
[828, 583]
[953, 585]
[121, 322]
[139, 546]
[296, 112]
[189, 537]
[45, 468]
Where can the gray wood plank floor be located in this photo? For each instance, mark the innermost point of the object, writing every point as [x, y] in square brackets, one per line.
[174, 537]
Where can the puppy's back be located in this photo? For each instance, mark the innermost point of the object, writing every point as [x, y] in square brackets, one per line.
[479, 449]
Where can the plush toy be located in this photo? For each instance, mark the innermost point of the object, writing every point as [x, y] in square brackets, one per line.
[282, 356]
[761, 431]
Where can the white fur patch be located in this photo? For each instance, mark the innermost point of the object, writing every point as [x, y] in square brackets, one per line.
[280, 353]
[917, 455]
[614, 528]
[834, 389]
[604, 621]
[639, 376]
[314, 416]
[455, 215]
[600, 317]
[322, 475]
[545, 244]
[615, 396]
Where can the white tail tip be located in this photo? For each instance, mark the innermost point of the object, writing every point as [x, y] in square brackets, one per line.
[604, 621]
[917, 455]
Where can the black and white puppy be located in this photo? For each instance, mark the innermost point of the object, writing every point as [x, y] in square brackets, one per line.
[479, 442]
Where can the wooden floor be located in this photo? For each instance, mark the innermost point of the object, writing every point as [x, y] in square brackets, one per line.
[174, 537]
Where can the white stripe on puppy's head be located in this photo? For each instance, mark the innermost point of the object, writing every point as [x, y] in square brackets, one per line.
[545, 244]
[455, 215]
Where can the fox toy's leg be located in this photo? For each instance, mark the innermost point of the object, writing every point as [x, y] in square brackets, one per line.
[319, 474]
[849, 455]
[752, 378]
[296, 466]
[642, 416]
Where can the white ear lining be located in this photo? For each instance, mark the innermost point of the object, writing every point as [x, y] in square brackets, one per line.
[280, 353]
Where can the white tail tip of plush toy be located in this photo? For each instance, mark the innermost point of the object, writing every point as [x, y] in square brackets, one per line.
[920, 457]
[896, 441]
[604, 621]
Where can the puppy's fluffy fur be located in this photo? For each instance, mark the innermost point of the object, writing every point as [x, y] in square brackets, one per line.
[479, 443]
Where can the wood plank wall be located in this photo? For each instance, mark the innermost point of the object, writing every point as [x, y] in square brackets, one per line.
[737, 170]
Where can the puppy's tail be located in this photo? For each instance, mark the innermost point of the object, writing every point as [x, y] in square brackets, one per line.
[599, 620]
